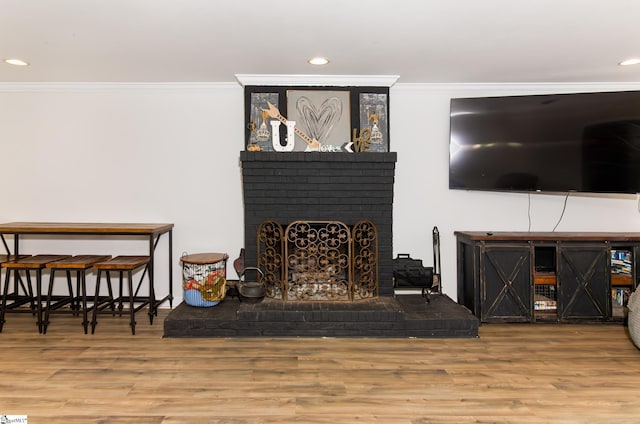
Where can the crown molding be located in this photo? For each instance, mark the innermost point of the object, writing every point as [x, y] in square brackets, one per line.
[335, 80]
[318, 80]
[110, 86]
[524, 87]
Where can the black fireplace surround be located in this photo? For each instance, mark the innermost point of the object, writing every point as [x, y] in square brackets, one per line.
[317, 186]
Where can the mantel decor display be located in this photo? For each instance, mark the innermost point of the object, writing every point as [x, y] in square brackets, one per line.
[324, 119]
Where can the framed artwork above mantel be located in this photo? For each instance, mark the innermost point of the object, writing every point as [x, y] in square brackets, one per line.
[327, 118]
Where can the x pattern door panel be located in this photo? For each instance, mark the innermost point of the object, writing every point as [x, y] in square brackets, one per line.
[583, 281]
[506, 282]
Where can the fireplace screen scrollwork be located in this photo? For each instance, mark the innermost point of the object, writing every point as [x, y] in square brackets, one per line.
[319, 260]
[270, 250]
[365, 260]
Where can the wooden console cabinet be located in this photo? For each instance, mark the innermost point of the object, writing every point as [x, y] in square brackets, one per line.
[546, 276]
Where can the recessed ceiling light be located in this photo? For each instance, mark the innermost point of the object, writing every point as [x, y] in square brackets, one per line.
[632, 61]
[16, 62]
[318, 61]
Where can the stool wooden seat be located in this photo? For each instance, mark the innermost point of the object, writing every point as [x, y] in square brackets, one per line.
[17, 299]
[31, 263]
[11, 258]
[78, 264]
[128, 265]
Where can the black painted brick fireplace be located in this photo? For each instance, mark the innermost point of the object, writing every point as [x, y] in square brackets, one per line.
[346, 187]
[316, 186]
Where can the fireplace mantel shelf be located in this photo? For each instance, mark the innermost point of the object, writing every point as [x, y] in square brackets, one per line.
[317, 157]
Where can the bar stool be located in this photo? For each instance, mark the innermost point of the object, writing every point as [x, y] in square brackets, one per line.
[31, 263]
[78, 264]
[18, 284]
[17, 299]
[122, 264]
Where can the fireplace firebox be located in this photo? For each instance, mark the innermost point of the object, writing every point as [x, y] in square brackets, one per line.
[317, 187]
[319, 260]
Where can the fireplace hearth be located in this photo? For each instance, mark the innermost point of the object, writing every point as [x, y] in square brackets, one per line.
[387, 316]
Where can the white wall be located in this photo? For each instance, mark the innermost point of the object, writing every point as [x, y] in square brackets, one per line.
[169, 153]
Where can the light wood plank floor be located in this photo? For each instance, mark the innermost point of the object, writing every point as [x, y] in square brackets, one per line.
[512, 374]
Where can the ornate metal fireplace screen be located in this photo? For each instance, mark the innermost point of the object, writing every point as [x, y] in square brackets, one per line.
[319, 260]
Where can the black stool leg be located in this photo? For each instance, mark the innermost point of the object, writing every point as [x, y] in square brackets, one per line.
[47, 308]
[120, 305]
[94, 318]
[27, 290]
[72, 298]
[132, 309]
[78, 301]
[112, 300]
[5, 292]
[34, 306]
[153, 310]
[83, 294]
[38, 298]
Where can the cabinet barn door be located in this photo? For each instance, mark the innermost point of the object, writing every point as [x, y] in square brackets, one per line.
[583, 281]
[506, 280]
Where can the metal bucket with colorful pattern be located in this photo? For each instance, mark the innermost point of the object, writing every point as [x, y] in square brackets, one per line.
[204, 278]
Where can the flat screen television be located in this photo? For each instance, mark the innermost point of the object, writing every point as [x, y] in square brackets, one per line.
[583, 142]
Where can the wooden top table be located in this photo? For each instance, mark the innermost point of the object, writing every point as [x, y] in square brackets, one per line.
[84, 228]
[151, 230]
